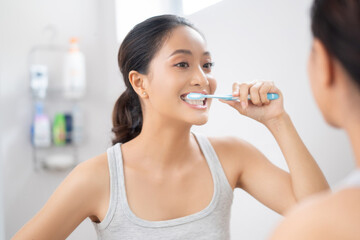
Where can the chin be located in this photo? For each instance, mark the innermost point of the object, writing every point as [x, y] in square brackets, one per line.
[332, 122]
[199, 123]
[335, 125]
[199, 120]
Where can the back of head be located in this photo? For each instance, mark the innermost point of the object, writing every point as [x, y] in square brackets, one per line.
[336, 23]
[136, 52]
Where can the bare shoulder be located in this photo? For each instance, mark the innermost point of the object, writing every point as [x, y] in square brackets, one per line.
[235, 150]
[230, 144]
[87, 185]
[93, 176]
[93, 167]
[82, 194]
[324, 216]
[233, 154]
[90, 171]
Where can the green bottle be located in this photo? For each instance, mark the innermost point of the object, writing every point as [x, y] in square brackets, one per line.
[59, 130]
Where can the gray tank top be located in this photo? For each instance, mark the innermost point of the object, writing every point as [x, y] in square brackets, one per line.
[213, 222]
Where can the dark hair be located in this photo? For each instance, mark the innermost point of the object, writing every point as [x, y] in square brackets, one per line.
[136, 52]
[336, 23]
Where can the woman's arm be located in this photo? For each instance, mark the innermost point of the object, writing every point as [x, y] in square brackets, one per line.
[269, 184]
[74, 200]
[306, 176]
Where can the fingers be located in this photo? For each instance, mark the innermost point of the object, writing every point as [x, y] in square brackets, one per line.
[257, 90]
[264, 90]
[255, 94]
[244, 92]
[241, 90]
[235, 89]
[236, 105]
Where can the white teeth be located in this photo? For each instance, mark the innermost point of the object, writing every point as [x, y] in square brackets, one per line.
[195, 102]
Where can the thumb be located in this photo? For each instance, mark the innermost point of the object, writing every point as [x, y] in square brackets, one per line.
[235, 104]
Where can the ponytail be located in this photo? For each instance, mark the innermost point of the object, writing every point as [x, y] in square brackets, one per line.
[127, 117]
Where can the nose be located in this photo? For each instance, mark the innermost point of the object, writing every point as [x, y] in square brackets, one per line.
[199, 78]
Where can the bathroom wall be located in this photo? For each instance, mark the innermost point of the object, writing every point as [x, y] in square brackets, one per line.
[249, 39]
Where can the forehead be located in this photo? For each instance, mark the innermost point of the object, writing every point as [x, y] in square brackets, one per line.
[183, 37]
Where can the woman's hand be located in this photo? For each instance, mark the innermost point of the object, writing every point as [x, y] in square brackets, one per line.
[258, 107]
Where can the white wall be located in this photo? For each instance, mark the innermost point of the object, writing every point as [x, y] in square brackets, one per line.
[249, 39]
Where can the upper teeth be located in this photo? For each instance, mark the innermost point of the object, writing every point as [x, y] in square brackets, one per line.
[194, 102]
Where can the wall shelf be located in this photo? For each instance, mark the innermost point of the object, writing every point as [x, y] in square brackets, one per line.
[54, 157]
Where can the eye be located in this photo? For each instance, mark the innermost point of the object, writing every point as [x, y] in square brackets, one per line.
[208, 65]
[182, 65]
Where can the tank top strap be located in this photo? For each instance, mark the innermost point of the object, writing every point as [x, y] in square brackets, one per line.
[113, 164]
[122, 196]
[214, 162]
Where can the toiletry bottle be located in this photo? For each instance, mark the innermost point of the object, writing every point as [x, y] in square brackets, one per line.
[74, 72]
[39, 80]
[41, 133]
[69, 128]
[59, 130]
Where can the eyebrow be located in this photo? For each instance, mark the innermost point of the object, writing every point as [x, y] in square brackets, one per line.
[187, 52]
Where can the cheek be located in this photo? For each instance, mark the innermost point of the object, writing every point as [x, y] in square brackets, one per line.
[165, 89]
[314, 78]
[161, 81]
[213, 84]
[312, 73]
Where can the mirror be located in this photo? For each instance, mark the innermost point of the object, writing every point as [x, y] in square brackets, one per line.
[249, 40]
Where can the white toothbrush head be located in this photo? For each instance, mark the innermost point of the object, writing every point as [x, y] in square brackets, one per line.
[195, 96]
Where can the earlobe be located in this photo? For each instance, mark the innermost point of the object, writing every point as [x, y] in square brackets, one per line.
[137, 82]
[324, 64]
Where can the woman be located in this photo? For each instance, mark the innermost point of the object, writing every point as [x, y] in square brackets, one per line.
[160, 180]
[334, 72]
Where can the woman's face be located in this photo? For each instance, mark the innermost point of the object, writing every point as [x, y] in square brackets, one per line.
[182, 65]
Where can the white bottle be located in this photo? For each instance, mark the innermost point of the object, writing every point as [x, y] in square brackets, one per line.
[74, 72]
[39, 80]
[42, 126]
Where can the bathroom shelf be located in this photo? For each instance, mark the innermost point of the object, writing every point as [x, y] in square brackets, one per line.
[57, 158]
[49, 157]
[64, 157]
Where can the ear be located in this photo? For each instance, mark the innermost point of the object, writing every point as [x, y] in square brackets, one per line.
[137, 81]
[324, 64]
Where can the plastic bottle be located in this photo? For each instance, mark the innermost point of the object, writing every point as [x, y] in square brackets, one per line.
[69, 127]
[41, 133]
[39, 80]
[74, 72]
[59, 130]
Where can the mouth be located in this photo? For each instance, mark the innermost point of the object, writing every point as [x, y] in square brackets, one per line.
[199, 103]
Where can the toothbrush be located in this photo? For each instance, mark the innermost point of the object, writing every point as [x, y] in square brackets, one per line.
[198, 96]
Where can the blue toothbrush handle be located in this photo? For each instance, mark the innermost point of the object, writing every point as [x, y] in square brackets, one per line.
[270, 96]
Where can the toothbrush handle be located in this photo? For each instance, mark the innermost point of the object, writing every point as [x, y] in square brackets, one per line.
[270, 96]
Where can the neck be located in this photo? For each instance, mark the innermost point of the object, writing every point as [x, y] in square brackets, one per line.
[352, 128]
[163, 144]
